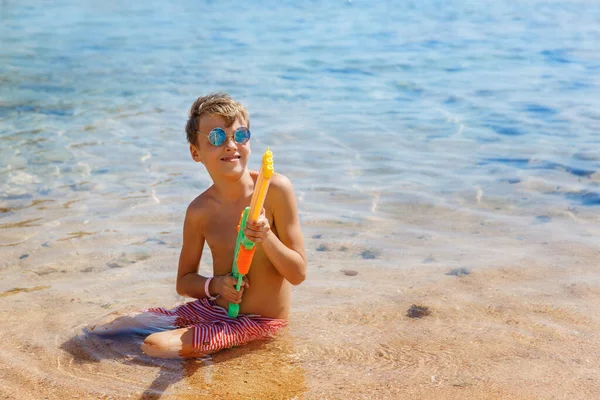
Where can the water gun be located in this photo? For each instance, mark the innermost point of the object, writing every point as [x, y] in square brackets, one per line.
[244, 247]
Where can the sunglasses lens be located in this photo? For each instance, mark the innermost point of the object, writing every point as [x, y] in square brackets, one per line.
[241, 135]
[217, 137]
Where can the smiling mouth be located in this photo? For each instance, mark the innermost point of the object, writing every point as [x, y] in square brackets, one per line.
[231, 158]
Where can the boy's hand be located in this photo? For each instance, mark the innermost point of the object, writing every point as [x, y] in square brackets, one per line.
[225, 286]
[258, 230]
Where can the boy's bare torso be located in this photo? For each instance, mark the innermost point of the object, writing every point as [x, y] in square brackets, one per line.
[269, 293]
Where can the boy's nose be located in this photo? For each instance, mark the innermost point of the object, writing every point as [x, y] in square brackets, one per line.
[230, 143]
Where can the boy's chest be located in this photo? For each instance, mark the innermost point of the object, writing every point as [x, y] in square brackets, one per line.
[220, 231]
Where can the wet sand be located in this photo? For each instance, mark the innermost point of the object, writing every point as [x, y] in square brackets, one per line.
[512, 313]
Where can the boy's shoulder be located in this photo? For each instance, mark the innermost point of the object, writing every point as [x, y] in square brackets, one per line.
[280, 189]
[280, 183]
[201, 205]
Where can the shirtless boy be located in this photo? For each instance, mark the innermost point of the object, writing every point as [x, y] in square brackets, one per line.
[219, 138]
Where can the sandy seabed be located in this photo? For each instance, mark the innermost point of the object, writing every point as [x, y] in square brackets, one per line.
[511, 316]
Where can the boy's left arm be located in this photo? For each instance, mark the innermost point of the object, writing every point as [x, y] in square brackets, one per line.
[286, 252]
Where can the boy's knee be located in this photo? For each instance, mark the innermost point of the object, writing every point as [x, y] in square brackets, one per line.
[159, 345]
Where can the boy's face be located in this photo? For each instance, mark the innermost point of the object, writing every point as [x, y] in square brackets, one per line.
[229, 159]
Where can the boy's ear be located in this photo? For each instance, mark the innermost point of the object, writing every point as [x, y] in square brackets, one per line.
[195, 153]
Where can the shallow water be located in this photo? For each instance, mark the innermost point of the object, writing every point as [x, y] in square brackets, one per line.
[420, 138]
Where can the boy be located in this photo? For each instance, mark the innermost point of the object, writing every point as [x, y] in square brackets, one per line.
[218, 135]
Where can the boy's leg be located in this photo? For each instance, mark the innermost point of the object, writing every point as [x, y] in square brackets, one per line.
[178, 343]
[143, 322]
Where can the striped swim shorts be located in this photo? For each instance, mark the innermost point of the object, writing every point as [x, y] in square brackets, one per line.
[214, 330]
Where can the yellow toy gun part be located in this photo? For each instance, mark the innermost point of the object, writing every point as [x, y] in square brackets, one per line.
[244, 247]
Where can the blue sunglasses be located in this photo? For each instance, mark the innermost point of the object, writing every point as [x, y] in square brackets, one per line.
[217, 136]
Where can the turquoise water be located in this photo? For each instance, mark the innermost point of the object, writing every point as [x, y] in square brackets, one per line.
[409, 100]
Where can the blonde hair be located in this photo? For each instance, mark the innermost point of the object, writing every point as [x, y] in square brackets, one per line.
[215, 103]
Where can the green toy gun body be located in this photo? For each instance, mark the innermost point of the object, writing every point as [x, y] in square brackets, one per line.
[244, 251]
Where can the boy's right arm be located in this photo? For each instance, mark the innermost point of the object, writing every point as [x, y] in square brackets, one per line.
[189, 283]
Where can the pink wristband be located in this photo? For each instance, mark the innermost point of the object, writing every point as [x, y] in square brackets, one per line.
[206, 289]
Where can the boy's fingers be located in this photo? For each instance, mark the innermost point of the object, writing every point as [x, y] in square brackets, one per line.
[234, 297]
[251, 229]
[257, 225]
[231, 281]
[253, 236]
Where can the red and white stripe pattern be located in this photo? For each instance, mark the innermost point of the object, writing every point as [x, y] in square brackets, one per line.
[214, 330]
